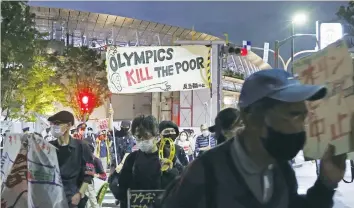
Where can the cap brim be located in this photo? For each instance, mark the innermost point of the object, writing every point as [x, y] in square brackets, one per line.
[299, 92]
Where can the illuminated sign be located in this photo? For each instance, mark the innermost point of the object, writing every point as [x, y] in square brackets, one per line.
[329, 33]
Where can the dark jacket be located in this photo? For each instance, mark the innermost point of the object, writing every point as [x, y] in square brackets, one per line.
[142, 171]
[213, 181]
[124, 145]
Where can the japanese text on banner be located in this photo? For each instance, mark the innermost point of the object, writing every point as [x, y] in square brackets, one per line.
[103, 124]
[329, 119]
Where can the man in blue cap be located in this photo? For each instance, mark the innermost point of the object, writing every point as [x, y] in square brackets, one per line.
[252, 169]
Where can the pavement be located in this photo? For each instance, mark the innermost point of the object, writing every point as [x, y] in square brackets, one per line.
[109, 200]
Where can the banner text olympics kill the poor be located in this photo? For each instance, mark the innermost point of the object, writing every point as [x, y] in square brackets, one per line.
[157, 68]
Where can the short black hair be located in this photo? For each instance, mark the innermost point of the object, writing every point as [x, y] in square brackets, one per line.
[143, 124]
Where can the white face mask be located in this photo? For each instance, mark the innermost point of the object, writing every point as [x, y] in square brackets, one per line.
[146, 146]
[56, 131]
[183, 138]
[205, 133]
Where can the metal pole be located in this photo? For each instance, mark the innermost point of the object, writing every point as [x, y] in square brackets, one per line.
[276, 54]
[292, 47]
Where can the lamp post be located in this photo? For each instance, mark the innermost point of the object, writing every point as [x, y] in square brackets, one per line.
[297, 20]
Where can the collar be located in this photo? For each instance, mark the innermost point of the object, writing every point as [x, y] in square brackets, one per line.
[72, 142]
[239, 154]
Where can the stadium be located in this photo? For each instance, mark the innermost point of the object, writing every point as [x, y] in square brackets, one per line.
[187, 109]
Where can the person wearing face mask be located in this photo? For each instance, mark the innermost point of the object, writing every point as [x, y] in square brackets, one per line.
[90, 137]
[205, 141]
[74, 158]
[168, 129]
[142, 169]
[184, 142]
[103, 149]
[124, 143]
[255, 169]
[226, 123]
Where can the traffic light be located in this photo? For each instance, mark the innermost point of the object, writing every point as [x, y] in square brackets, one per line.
[231, 49]
[87, 101]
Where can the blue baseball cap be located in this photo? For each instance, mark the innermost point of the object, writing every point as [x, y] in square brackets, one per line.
[280, 85]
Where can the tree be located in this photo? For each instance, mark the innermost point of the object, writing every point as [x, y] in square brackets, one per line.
[18, 47]
[346, 13]
[82, 70]
[38, 92]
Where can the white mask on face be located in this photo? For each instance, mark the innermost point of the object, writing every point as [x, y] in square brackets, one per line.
[146, 146]
[56, 131]
[183, 138]
[205, 133]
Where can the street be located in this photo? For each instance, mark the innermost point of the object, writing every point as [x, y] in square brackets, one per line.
[306, 176]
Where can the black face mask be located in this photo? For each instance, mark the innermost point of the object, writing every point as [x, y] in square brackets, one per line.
[172, 136]
[283, 146]
[125, 130]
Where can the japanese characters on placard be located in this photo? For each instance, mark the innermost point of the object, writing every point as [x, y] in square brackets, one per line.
[329, 119]
[156, 68]
[143, 199]
[102, 124]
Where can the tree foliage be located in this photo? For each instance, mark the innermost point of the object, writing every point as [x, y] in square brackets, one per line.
[37, 92]
[81, 69]
[346, 13]
[19, 44]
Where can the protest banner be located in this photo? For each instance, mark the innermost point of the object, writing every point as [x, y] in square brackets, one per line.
[157, 68]
[330, 120]
[143, 198]
[34, 180]
[102, 124]
[12, 145]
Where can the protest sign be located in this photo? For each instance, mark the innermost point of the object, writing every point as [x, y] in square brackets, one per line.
[143, 198]
[34, 180]
[102, 124]
[329, 120]
[157, 68]
[12, 145]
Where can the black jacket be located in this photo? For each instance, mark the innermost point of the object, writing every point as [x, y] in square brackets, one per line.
[142, 171]
[213, 181]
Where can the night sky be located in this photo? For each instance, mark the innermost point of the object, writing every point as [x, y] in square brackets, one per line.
[257, 22]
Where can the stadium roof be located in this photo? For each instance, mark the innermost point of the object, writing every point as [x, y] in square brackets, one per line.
[97, 30]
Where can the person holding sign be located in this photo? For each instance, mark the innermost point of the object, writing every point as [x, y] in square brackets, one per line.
[255, 169]
[142, 169]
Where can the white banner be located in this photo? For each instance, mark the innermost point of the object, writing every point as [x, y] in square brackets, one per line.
[157, 68]
[34, 179]
[330, 120]
[12, 145]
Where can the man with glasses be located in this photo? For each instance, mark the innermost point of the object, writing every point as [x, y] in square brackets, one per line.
[74, 158]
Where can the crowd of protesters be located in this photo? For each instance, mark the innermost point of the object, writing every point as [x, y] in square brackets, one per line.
[242, 161]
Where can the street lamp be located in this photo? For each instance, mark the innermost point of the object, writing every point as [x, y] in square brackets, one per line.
[298, 19]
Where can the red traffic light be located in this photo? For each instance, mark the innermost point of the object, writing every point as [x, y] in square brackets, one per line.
[244, 52]
[87, 101]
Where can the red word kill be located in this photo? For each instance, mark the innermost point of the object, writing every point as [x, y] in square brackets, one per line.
[137, 76]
